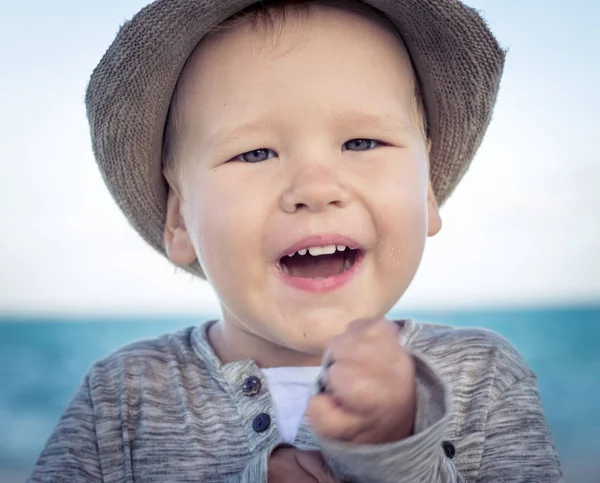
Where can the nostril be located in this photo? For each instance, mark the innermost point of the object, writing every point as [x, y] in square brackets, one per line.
[314, 195]
[301, 206]
[318, 206]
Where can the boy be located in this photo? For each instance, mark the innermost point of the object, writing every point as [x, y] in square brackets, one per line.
[295, 156]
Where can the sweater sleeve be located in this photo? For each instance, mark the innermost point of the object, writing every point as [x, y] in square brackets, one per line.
[518, 445]
[71, 453]
[419, 457]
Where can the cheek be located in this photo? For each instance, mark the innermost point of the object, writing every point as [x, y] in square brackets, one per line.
[401, 214]
[206, 221]
[223, 225]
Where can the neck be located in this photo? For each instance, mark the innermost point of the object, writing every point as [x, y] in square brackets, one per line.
[233, 344]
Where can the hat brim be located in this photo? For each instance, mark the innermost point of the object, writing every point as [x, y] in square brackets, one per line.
[457, 60]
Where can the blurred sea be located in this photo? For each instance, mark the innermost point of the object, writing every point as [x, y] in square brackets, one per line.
[42, 361]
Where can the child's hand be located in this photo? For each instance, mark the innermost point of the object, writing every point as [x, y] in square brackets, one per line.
[291, 464]
[370, 389]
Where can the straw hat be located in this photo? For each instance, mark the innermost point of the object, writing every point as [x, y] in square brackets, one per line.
[456, 58]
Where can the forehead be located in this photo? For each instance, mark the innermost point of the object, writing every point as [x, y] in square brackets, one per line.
[325, 59]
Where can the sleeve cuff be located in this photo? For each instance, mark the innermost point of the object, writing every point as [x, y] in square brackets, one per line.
[412, 459]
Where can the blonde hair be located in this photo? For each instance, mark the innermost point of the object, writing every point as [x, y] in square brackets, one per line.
[269, 17]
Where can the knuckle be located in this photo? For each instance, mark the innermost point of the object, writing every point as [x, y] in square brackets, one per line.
[336, 344]
[373, 329]
[363, 325]
[389, 327]
[360, 323]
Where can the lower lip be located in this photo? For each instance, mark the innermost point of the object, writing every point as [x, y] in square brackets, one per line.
[321, 285]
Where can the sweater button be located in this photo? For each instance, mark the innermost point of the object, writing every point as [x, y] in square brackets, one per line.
[449, 449]
[251, 386]
[261, 422]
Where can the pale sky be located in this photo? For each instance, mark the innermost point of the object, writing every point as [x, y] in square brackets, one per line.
[522, 228]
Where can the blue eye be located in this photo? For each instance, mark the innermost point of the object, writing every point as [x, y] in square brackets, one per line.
[256, 155]
[360, 145]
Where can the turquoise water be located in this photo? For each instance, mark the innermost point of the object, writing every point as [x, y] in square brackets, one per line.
[43, 360]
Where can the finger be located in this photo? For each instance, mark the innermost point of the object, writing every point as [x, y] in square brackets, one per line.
[283, 466]
[330, 420]
[374, 329]
[364, 389]
[369, 327]
[366, 342]
[353, 387]
[312, 463]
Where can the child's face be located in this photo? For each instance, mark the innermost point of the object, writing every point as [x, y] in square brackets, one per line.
[296, 105]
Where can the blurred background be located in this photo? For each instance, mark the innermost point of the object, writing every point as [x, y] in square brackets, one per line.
[519, 251]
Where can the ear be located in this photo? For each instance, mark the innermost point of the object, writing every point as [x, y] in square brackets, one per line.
[178, 243]
[434, 221]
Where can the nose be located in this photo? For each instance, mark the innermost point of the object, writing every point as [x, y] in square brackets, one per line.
[314, 188]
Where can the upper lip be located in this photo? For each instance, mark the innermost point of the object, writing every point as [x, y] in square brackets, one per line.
[320, 241]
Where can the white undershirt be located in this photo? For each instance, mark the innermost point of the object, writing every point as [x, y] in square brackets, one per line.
[290, 388]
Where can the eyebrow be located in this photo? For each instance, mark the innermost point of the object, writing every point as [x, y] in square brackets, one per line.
[223, 137]
[385, 122]
[388, 123]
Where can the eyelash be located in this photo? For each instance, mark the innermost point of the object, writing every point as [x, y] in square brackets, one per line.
[372, 143]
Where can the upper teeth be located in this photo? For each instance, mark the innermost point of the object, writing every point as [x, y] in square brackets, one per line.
[315, 251]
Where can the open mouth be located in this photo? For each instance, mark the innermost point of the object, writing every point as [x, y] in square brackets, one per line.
[319, 262]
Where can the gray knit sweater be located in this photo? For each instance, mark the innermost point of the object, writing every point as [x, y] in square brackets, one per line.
[167, 410]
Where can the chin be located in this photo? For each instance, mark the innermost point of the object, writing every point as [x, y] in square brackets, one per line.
[311, 346]
[312, 330]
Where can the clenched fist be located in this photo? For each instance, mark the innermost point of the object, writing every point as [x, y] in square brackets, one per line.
[370, 394]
